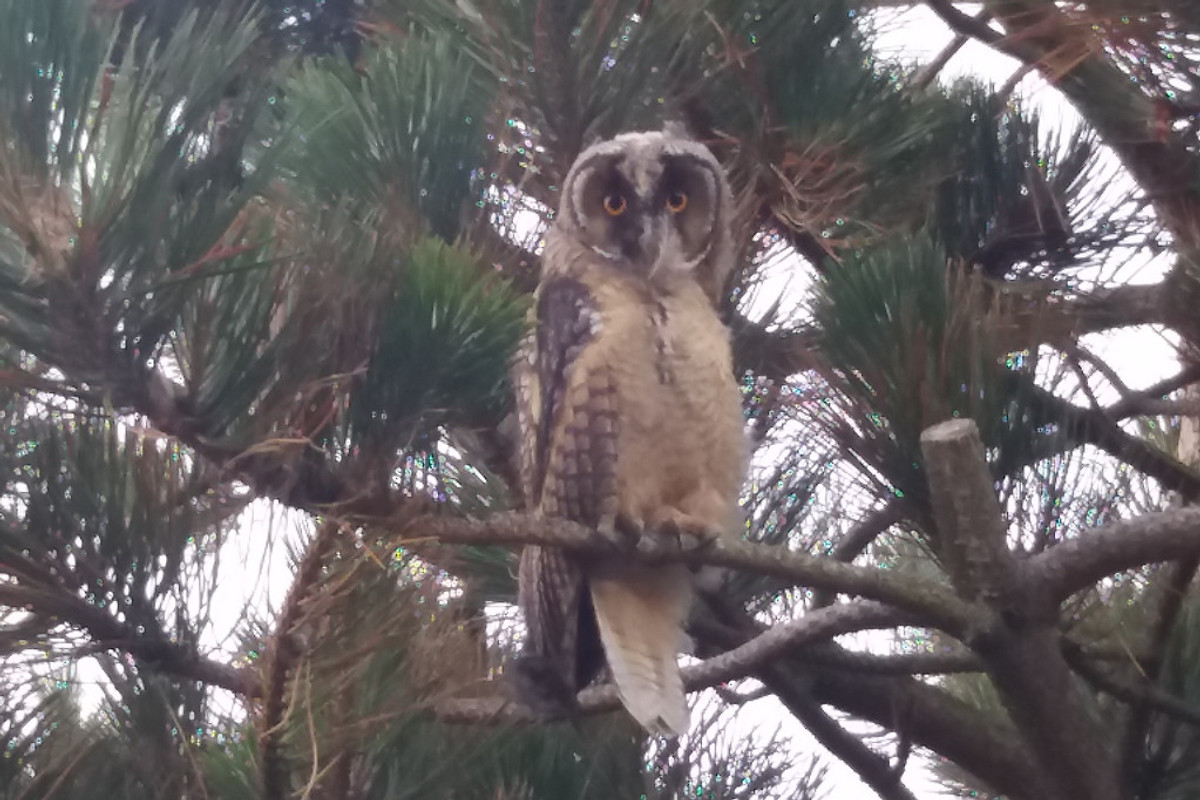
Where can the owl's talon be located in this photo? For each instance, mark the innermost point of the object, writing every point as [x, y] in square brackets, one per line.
[623, 534]
[680, 532]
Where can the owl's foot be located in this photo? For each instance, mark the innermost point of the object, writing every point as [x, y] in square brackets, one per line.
[674, 529]
[623, 533]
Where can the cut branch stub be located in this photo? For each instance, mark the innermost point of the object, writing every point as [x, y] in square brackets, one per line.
[971, 530]
[1021, 647]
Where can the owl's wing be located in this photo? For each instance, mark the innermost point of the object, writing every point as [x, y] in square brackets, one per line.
[569, 467]
[527, 392]
[577, 430]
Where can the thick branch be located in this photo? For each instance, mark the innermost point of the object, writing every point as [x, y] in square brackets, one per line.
[1022, 647]
[1079, 562]
[925, 715]
[928, 602]
[971, 530]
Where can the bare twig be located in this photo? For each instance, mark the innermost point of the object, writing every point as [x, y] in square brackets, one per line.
[927, 73]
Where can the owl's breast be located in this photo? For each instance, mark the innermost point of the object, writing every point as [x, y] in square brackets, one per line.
[682, 424]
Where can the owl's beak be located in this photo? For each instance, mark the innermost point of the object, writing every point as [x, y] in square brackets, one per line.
[662, 246]
[639, 240]
[649, 245]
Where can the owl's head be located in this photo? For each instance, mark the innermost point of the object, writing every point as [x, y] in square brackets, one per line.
[655, 204]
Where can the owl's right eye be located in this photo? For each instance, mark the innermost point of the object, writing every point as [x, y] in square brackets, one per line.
[615, 204]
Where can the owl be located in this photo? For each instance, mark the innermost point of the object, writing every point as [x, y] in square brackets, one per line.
[630, 417]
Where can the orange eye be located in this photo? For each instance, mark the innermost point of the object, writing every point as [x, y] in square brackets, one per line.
[677, 201]
[615, 204]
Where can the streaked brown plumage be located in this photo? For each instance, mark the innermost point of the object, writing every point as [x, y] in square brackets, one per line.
[630, 415]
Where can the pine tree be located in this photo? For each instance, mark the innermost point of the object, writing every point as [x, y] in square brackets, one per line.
[282, 252]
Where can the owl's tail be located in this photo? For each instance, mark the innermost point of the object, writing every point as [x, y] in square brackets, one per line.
[641, 615]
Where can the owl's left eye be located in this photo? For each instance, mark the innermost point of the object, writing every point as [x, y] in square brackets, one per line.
[615, 204]
[677, 201]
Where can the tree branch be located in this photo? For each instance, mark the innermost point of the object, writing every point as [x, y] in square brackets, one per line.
[109, 634]
[739, 662]
[953, 662]
[931, 717]
[1161, 407]
[1127, 405]
[1078, 426]
[988, 748]
[929, 603]
[1079, 562]
[1135, 693]
[927, 73]
[965, 24]
[856, 540]
[778, 354]
[872, 768]
[1021, 647]
[1039, 33]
